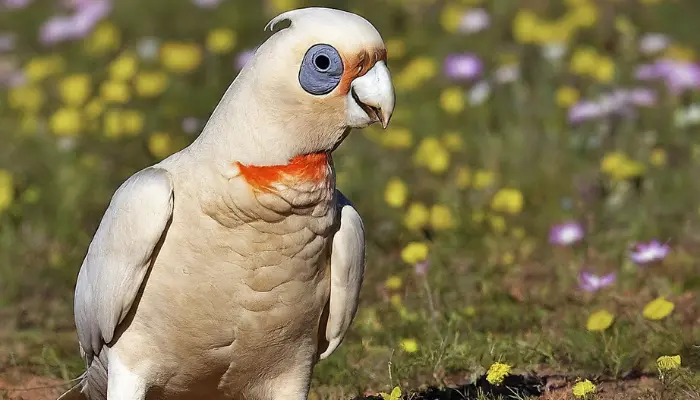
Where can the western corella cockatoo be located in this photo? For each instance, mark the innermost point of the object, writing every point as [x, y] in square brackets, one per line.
[230, 268]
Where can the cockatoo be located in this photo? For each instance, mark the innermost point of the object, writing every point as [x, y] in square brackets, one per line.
[229, 269]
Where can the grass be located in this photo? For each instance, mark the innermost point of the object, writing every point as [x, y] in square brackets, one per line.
[495, 290]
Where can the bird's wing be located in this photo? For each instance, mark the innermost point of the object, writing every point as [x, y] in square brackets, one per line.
[347, 269]
[120, 255]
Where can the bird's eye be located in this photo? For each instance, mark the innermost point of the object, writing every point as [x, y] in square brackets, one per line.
[322, 62]
[321, 69]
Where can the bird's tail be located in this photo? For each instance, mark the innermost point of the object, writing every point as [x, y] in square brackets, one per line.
[92, 384]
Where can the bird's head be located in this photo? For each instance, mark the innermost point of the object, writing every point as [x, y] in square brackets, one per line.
[307, 85]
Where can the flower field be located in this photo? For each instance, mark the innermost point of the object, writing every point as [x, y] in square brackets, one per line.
[532, 211]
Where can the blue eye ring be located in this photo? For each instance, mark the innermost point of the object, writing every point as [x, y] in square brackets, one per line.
[321, 69]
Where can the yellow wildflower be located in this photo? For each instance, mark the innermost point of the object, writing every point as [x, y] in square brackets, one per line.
[39, 68]
[583, 389]
[150, 83]
[599, 321]
[396, 193]
[415, 73]
[283, 5]
[180, 56]
[452, 141]
[397, 138]
[624, 26]
[658, 309]
[28, 98]
[547, 33]
[94, 108]
[478, 217]
[441, 218]
[658, 157]
[677, 52]
[432, 155]
[567, 96]
[619, 167]
[113, 126]
[452, 100]
[525, 26]
[160, 144]
[115, 92]
[7, 190]
[106, 37]
[221, 41]
[604, 70]
[507, 258]
[483, 179]
[584, 15]
[124, 67]
[395, 49]
[393, 282]
[417, 216]
[498, 223]
[132, 121]
[463, 178]
[409, 345]
[668, 363]
[469, 311]
[584, 61]
[75, 89]
[66, 122]
[497, 372]
[395, 394]
[518, 232]
[414, 252]
[451, 16]
[508, 200]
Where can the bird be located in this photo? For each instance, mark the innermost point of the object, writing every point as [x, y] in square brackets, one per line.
[229, 269]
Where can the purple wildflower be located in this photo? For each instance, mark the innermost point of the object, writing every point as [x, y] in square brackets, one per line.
[507, 73]
[619, 101]
[677, 75]
[585, 110]
[475, 20]
[592, 283]
[190, 125]
[207, 3]
[465, 66]
[652, 43]
[7, 42]
[62, 28]
[422, 267]
[243, 57]
[566, 233]
[646, 253]
[15, 4]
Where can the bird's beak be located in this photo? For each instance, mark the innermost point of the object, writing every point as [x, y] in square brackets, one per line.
[374, 93]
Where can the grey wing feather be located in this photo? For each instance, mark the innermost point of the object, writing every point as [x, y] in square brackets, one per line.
[347, 271]
[120, 254]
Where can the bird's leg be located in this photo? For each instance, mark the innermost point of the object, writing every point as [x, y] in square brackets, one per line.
[292, 385]
[123, 384]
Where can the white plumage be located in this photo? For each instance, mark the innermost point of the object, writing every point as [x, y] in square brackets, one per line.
[229, 269]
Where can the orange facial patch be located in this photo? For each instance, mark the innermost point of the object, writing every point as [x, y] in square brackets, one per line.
[358, 65]
[306, 168]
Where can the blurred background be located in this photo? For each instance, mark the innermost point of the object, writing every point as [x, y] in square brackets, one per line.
[534, 202]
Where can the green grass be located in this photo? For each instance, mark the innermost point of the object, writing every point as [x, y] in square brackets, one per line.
[496, 290]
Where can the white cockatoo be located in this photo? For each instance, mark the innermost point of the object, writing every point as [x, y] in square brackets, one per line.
[229, 269]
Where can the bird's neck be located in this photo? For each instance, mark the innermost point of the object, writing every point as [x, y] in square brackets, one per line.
[312, 169]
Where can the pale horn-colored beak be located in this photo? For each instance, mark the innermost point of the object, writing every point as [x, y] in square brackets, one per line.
[374, 96]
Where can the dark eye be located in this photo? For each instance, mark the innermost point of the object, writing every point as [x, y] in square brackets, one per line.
[322, 62]
[321, 69]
